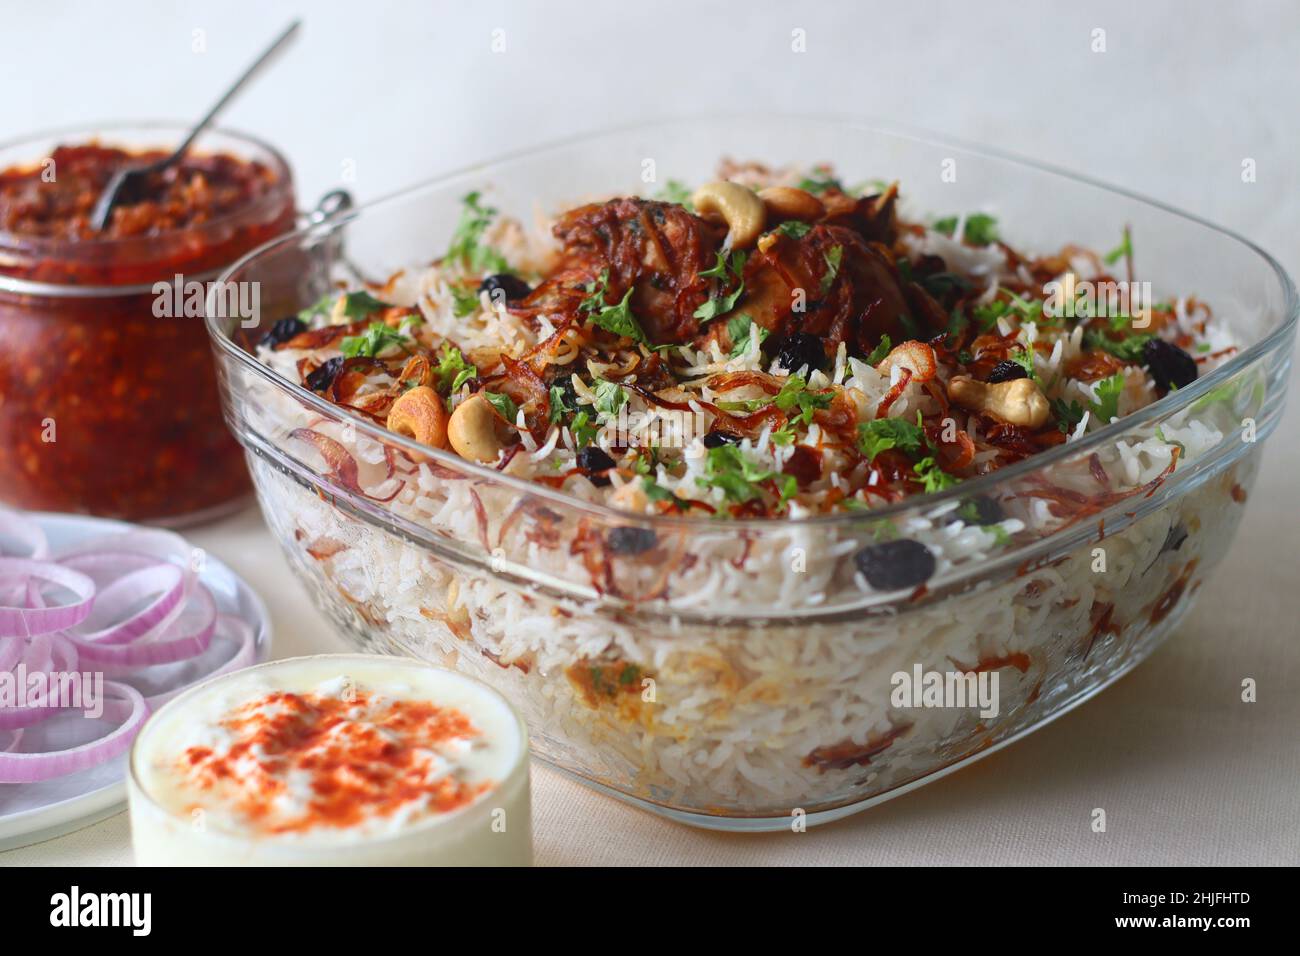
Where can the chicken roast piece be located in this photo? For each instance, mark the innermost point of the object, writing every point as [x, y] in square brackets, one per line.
[838, 280]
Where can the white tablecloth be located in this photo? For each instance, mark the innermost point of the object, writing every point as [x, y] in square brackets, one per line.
[1186, 772]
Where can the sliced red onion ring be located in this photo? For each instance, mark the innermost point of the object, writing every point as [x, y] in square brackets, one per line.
[129, 707]
[138, 604]
[15, 526]
[164, 582]
[148, 653]
[29, 621]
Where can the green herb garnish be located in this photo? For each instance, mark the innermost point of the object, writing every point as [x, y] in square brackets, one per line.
[1069, 415]
[1108, 392]
[504, 405]
[727, 468]
[820, 181]
[464, 301]
[610, 397]
[719, 303]
[794, 229]
[675, 191]
[377, 338]
[358, 305]
[741, 328]
[616, 318]
[467, 247]
[833, 257]
[452, 369]
[1125, 248]
[1129, 348]
[932, 477]
[882, 349]
[980, 230]
[882, 434]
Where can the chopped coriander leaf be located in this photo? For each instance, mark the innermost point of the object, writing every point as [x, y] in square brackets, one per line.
[720, 303]
[620, 320]
[957, 323]
[1069, 415]
[504, 405]
[1108, 392]
[794, 394]
[452, 369]
[675, 191]
[1128, 349]
[358, 305]
[559, 405]
[980, 230]
[467, 248]
[376, 339]
[932, 477]
[1125, 248]
[319, 307]
[464, 301]
[987, 315]
[612, 318]
[610, 397]
[783, 436]
[833, 257]
[819, 181]
[657, 492]
[720, 267]
[728, 469]
[794, 229]
[582, 430]
[741, 328]
[882, 434]
[1025, 359]
[882, 349]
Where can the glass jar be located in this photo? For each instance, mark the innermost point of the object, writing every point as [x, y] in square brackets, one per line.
[108, 394]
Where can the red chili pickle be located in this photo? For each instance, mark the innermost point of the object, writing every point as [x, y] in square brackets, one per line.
[108, 394]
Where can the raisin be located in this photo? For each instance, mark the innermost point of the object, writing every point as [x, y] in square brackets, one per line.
[595, 462]
[1007, 371]
[893, 565]
[799, 349]
[283, 331]
[1170, 366]
[512, 287]
[630, 540]
[716, 439]
[324, 376]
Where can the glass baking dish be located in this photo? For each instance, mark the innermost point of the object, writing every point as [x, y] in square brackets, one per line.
[738, 674]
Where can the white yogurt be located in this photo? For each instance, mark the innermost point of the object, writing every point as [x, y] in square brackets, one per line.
[332, 760]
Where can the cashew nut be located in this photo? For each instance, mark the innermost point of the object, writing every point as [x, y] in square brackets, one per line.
[737, 206]
[419, 414]
[472, 430]
[786, 202]
[1017, 402]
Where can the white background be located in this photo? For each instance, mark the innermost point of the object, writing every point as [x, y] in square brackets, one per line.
[1184, 92]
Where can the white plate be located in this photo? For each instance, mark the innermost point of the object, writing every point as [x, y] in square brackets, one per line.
[32, 812]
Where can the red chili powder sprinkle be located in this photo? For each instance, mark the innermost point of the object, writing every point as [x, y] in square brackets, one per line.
[359, 767]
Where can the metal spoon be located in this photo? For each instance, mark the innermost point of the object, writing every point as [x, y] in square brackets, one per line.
[127, 184]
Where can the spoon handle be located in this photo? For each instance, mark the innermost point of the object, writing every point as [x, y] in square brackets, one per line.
[280, 42]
